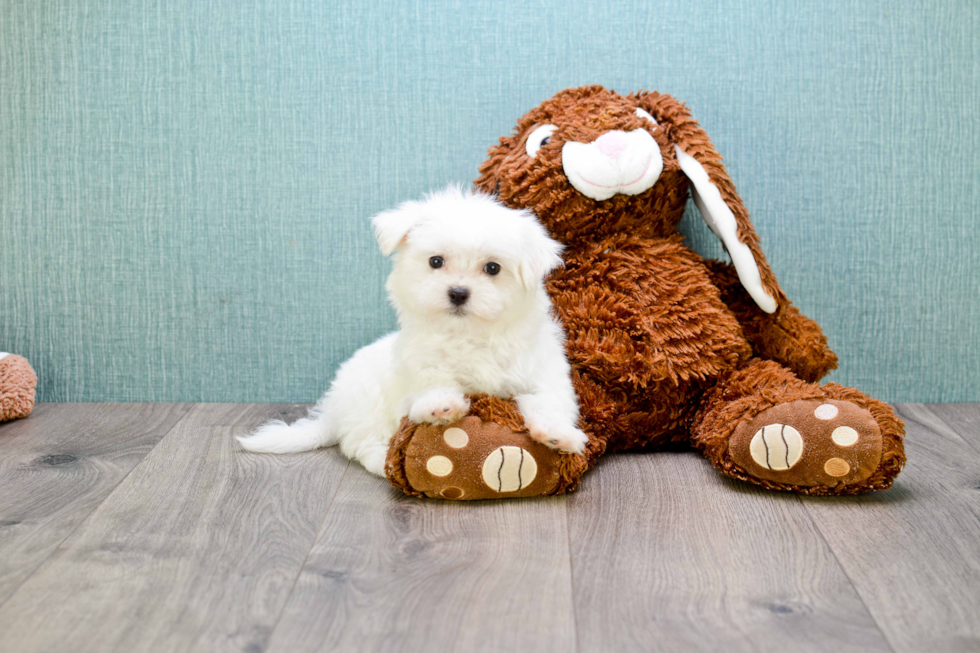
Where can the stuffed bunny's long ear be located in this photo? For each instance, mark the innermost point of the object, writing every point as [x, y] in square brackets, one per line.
[722, 222]
[715, 197]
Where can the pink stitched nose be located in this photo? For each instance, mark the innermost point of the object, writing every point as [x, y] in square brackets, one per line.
[612, 144]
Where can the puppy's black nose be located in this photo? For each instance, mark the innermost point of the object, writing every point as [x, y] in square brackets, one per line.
[458, 296]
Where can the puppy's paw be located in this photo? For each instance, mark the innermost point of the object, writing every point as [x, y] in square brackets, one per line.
[439, 406]
[560, 436]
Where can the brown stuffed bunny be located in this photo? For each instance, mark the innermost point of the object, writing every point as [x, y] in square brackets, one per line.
[665, 346]
[17, 383]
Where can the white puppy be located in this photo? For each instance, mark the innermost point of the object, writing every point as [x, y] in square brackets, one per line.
[468, 287]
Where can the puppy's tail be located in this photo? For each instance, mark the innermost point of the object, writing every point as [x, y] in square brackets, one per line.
[304, 434]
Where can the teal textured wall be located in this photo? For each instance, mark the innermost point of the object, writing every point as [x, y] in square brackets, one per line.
[185, 186]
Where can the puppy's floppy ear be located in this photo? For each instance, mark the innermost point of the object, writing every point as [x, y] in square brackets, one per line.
[714, 195]
[391, 227]
[540, 253]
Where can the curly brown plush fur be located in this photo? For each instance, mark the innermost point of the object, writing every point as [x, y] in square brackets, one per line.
[17, 383]
[664, 345]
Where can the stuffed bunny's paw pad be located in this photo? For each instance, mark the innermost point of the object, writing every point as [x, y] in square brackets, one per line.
[809, 443]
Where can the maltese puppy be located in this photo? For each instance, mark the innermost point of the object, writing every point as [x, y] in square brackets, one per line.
[474, 316]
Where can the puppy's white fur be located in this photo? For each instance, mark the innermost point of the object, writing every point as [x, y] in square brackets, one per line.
[503, 340]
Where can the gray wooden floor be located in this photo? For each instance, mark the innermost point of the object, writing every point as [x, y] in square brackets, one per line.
[141, 527]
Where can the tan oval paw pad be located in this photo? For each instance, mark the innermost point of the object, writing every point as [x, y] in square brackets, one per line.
[452, 493]
[456, 437]
[825, 411]
[439, 466]
[844, 436]
[836, 467]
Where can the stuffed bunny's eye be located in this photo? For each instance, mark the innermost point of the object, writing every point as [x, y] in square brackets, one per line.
[538, 138]
[643, 114]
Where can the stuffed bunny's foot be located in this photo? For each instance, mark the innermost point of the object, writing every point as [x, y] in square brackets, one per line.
[471, 459]
[809, 443]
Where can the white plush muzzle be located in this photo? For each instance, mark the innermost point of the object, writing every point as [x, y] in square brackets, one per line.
[616, 162]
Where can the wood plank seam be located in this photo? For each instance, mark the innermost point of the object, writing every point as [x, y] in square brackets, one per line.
[571, 576]
[939, 454]
[186, 407]
[843, 569]
[973, 442]
[299, 571]
[192, 567]
[910, 413]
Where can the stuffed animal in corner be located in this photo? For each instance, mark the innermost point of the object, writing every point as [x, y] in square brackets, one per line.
[17, 383]
[665, 346]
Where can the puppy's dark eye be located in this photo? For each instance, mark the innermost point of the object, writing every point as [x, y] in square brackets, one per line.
[436, 262]
[491, 268]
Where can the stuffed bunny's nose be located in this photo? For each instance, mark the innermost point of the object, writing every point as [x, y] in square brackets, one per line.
[612, 144]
